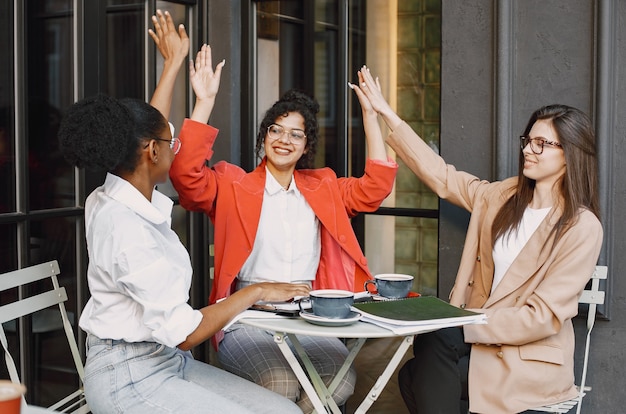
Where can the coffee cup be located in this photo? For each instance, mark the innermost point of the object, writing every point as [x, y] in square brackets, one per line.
[391, 285]
[330, 303]
[11, 397]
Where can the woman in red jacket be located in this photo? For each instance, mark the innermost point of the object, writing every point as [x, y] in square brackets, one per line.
[282, 222]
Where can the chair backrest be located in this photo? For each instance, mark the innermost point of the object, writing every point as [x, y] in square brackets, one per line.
[25, 305]
[593, 296]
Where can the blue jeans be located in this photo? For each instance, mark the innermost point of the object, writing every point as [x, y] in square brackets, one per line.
[147, 377]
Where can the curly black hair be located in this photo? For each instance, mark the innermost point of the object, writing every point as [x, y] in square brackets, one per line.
[104, 133]
[293, 100]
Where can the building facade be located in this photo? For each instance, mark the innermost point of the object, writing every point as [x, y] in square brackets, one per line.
[465, 74]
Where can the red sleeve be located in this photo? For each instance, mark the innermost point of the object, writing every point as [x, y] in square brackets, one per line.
[194, 181]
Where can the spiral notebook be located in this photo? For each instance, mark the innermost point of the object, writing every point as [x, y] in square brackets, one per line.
[405, 315]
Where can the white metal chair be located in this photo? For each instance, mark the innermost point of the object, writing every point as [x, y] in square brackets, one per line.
[593, 297]
[27, 305]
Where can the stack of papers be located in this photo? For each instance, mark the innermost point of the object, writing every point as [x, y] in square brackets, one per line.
[413, 315]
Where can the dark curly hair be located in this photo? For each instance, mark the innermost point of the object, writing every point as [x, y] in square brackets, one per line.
[293, 101]
[104, 133]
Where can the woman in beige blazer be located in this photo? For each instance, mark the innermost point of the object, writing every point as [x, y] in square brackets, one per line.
[531, 246]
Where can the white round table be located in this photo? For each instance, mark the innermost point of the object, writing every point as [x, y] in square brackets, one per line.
[315, 388]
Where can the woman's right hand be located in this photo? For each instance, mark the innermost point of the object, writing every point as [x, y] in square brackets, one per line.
[173, 45]
[280, 292]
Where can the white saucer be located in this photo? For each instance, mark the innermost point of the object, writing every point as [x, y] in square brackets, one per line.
[319, 320]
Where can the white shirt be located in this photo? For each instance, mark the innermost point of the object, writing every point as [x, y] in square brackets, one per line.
[287, 244]
[508, 246]
[139, 272]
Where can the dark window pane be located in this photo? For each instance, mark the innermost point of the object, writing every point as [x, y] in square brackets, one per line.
[325, 75]
[8, 247]
[124, 3]
[7, 157]
[53, 369]
[292, 69]
[49, 50]
[326, 11]
[7, 127]
[53, 239]
[125, 52]
[292, 8]
[8, 262]
[357, 37]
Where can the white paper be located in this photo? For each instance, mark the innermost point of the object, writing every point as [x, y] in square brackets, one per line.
[424, 326]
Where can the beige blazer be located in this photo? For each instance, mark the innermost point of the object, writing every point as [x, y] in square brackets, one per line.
[524, 356]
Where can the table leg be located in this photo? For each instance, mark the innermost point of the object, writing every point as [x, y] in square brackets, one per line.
[279, 338]
[323, 392]
[384, 377]
[354, 350]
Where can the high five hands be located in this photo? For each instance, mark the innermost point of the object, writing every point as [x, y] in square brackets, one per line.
[172, 44]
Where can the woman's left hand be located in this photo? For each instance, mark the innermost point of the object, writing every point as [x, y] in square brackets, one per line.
[366, 104]
[204, 80]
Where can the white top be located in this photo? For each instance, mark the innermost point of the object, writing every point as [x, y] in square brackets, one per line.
[508, 246]
[139, 272]
[287, 244]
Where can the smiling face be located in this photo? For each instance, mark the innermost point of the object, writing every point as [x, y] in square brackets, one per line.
[283, 153]
[549, 166]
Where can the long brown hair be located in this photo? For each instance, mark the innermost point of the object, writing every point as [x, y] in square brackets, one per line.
[578, 187]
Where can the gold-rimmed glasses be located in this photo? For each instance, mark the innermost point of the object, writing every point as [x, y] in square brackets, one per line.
[296, 136]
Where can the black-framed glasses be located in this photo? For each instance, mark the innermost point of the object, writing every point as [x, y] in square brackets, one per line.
[296, 136]
[537, 144]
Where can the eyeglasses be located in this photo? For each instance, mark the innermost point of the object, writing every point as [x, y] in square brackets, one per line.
[175, 144]
[296, 136]
[537, 144]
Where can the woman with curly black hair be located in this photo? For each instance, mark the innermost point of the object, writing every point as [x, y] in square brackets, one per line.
[139, 324]
[282, 222]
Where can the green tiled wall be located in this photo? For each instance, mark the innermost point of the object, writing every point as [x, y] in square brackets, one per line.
[419, 53]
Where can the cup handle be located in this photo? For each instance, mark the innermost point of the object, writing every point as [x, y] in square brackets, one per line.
[367, 283]
[303, 299]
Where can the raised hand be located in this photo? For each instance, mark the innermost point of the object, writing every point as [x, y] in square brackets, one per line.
[375, 143]
[366, 105]
[173, 45]
[372, 91]
[205, 82]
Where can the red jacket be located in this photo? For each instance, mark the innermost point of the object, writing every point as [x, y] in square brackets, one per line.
[232, 199]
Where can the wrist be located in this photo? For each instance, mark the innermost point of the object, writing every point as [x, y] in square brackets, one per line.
[173, 62]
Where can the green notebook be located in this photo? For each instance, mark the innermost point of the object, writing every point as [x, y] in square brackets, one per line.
[415, 311]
